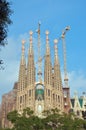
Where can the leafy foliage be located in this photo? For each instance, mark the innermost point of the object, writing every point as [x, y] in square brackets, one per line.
[13, 116]
[53, 120]
[5, 20]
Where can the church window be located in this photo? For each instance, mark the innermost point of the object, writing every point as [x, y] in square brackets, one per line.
[48, 92]
[20, 99]
[29, 92]
[32, 92]
[58, 98]
[53, 96]
[23, 98]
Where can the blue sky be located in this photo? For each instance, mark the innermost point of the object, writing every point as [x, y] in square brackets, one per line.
[54, 16]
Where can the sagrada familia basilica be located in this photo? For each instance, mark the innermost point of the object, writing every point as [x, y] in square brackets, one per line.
[44, 93]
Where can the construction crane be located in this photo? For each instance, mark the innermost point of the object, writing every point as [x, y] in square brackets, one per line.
[39, 55]
[64, 55]
[40, 60]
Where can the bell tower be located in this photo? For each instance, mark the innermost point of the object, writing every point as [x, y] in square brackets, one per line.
[47, 76]
[31, 75]
[21, 96]
[57, 91]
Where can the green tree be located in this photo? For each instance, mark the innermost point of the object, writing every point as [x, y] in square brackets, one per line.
[5, 20]
[26, 121]
[53, 120]
[5, 13]
[13, 116]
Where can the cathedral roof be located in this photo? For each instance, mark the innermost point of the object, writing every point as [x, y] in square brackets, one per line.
[80, 102]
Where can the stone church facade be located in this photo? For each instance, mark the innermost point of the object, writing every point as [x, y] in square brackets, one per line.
[43, 94]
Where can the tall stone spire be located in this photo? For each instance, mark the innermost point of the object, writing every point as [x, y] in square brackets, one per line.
[21, 81]
[23, 53]
[56, 52]
[47, 43]
[58, 92]
[31, 43]
[30, 66]
[57, 73]
[48, 66]
[22, 71]
[31, 75]
[47, 75]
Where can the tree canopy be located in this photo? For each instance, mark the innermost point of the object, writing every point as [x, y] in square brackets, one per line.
[53, 120]
[5, 12]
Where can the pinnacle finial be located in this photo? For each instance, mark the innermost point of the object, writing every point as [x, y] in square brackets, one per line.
[56, 51]
[31, 41]
[23, 48]
[75, 93]
[47, 32]
[23, 42]
[23, 52]
[55, 41]
[31, 32]
[47, 42]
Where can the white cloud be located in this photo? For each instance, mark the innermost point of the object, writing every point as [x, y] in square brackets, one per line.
[77, 81]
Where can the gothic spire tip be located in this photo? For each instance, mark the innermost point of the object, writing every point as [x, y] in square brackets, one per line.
[23, 42]
[47, 32]
[55, 41]
[31, 32]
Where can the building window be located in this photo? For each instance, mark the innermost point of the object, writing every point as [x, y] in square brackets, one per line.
[20, 99]
[48, 92]
[53, 96]
[58, 98]
[23, 98]
[29, 93]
